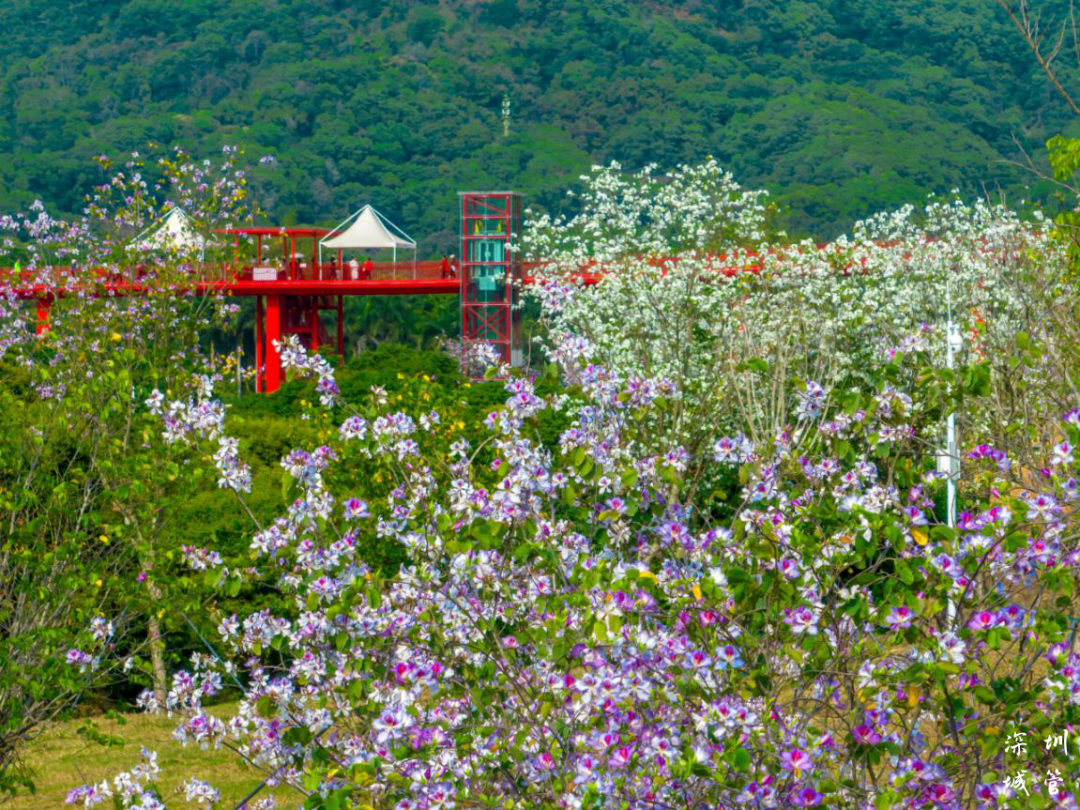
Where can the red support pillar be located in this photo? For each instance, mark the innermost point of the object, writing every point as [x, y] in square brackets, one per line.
[314, 318]
[43, 305]
[260, 372]
[341, 326]
[273, 333]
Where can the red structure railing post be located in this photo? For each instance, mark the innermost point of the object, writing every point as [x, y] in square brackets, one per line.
[260, 372]
[273, 334]
[43, 305]
[341, 326]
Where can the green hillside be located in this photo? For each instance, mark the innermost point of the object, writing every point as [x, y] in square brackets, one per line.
[841, 107]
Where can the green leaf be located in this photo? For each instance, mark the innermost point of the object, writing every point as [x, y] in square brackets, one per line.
[985, 695]
[742, 759]
[355, 690]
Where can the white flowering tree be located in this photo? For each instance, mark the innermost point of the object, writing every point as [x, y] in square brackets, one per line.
[688, 288]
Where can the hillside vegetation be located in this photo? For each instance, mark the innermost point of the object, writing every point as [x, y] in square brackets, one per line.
[840, 107]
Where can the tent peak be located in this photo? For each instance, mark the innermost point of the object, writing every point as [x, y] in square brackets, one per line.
[368, 229]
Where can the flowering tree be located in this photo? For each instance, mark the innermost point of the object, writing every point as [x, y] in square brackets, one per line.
[728, 581]
[737, 320]
[85, 474]
[568, 631]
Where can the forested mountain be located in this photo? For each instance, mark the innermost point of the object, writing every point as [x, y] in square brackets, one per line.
[841, 107]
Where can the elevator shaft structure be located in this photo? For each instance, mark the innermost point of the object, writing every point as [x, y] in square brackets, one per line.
[491, 272]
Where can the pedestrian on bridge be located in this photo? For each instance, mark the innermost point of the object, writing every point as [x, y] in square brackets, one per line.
[367, 269]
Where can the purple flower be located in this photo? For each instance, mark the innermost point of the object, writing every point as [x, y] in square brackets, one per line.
[983, 620]
[796, 760]
[89, 795]
[616, 505]
[802, 620]
[728, 656]
[1062, 454]
[355, 509]
[865, 734]
[1042, 507]
[900, 618]
[938, 794]
[807, 797]
[1013, 616]
[621, 757]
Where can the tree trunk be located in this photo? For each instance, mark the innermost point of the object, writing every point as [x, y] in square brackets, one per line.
[157, 648]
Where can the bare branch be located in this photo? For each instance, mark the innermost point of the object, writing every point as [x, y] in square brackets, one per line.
[1028, 26]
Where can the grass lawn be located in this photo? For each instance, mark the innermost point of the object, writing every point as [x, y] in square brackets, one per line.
[61, 759]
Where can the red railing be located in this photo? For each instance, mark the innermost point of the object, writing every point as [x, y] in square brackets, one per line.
[206, 272]
[332, 271]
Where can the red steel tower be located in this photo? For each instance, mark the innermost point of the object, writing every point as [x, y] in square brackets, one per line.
[491, 271]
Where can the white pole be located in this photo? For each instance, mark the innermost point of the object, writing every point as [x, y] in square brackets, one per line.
[953, 343]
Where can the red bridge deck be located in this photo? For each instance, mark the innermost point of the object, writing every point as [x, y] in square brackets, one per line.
[289, 297]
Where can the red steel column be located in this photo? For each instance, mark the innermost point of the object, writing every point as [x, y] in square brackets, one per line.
[462, 270]
[43, 305]
[341, 326]
[314, 318]
[273, 333]
[260, 372]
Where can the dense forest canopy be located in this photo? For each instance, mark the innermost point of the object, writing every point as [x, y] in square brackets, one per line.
[840, 107]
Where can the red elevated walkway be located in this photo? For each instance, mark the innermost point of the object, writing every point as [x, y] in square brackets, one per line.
[291, 292]
[289, 303]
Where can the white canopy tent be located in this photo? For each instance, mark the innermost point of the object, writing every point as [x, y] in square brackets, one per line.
[367, 229]
[173, 231]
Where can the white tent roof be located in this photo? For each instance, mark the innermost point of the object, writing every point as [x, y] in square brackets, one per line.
[369, 229]
[175, 231]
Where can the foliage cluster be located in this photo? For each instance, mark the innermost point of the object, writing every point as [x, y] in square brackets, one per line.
[840, 108]
[701, 560]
